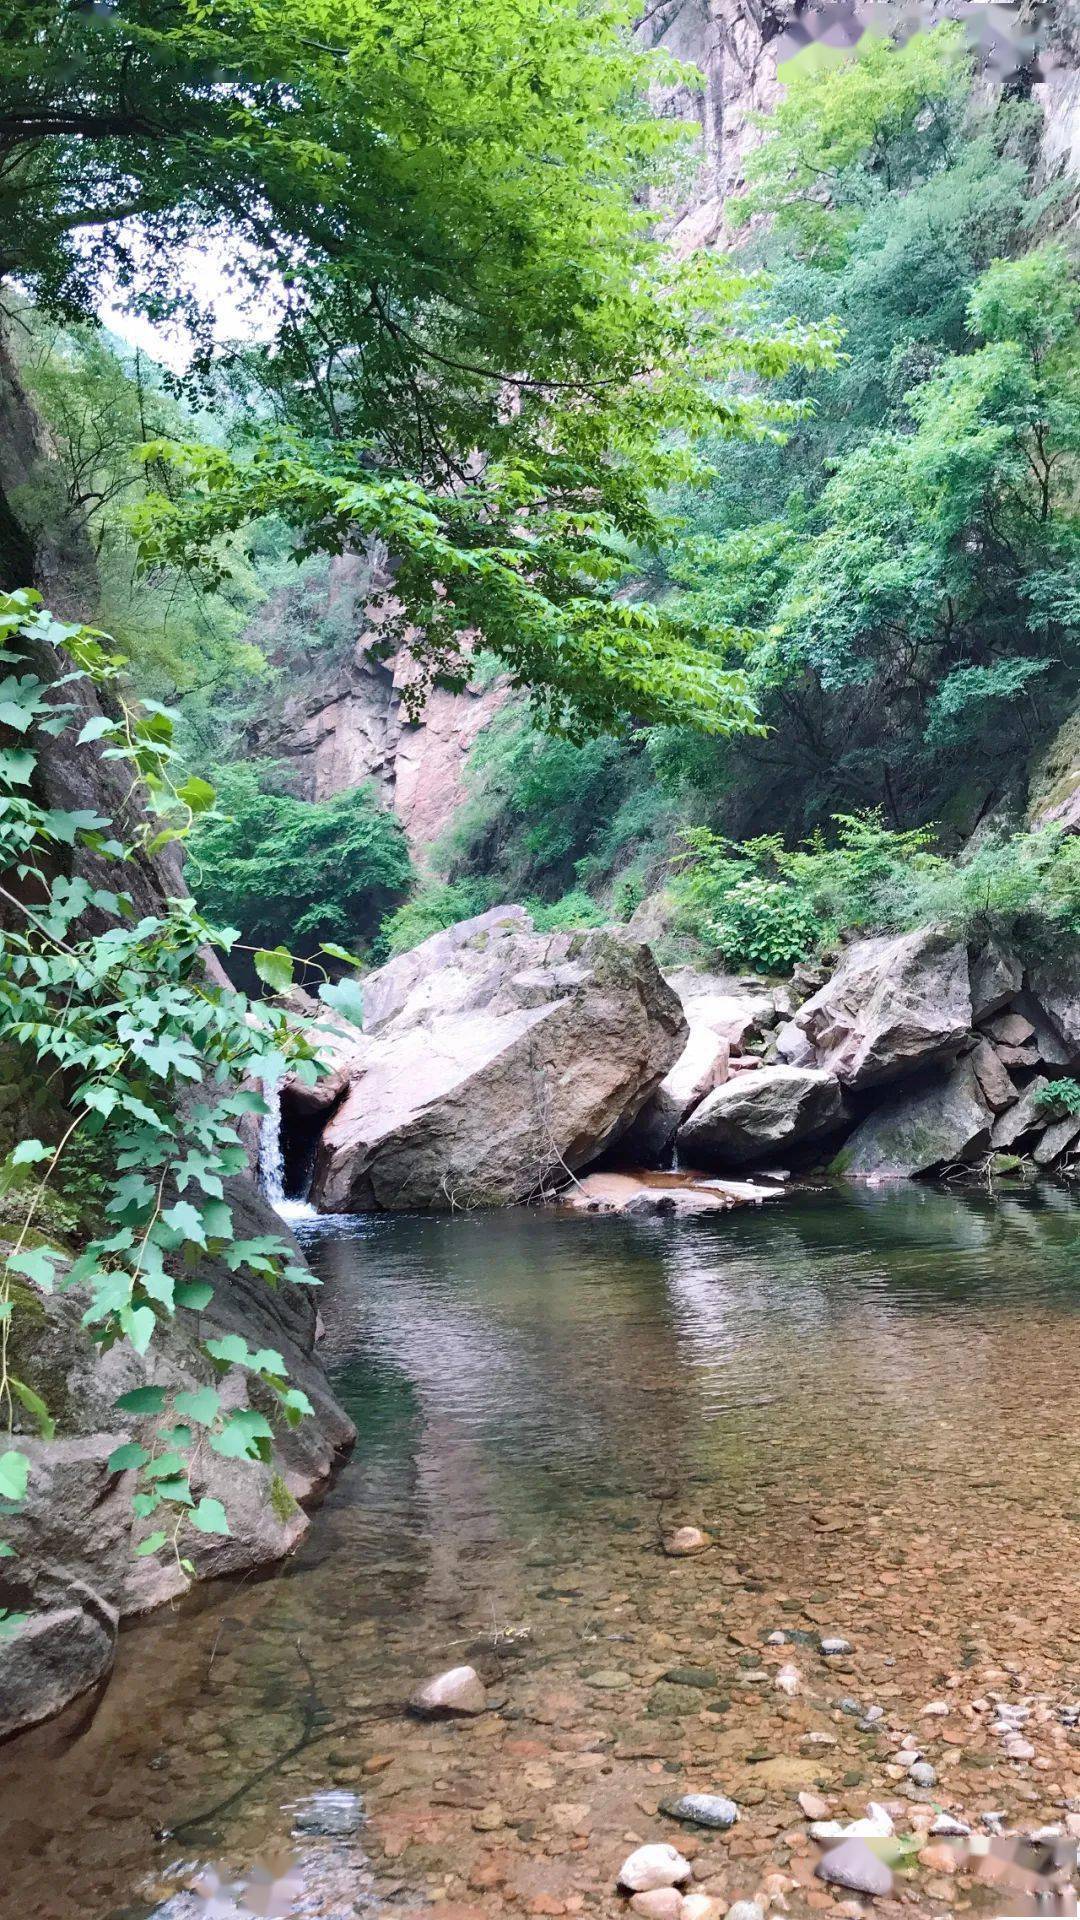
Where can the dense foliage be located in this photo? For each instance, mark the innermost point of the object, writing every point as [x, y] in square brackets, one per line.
[151, 1058]
[478, 354]
[293, 872]
[905, 562]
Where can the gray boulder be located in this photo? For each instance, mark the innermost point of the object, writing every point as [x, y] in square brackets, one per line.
[756, 1115]
[75, 1572]
[895, 1003]
[1026, 1118]
[996, 975]
[501, 1061]
[943, 1122]
[995, 1082]
[1054, 987]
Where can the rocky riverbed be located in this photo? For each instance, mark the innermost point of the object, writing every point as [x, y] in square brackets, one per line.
[882, 1616]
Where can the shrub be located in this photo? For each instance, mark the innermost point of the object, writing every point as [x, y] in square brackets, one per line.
[435, 905]
[574, 910]
[1059, 1097]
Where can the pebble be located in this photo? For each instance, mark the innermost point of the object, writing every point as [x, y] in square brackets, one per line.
[700, 1906]
[856, 1866]
[922, 1774]
[705, 1810]
[333, 1815]
[834, 1645]
[654, 1866]
[940, 1859]
[608, 1680]
[788, 1680]
[746, 1910]
[686, 1540]
[458, 1690]
[814, 1807]
[659, 1903]
[876, 1825]
[1018, 1749]
[948, 1824]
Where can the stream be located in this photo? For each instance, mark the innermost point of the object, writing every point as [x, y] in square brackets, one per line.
[869, 1399]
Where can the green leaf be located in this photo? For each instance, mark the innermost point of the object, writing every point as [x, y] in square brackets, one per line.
[129, 1454]
[344, 997]
[14, 1472]
[230, 1349]
[196, 794]
[35, 1407]
[187, 1221]
[209, 1517]
[274, 967]
[31, 1150]
[152, 1544]
[241, 1436]
[38, 1264]
[95, 728]
[142, 1400]
[139, 1324]
[195, 1294]
[341, 953]
[201, 1404]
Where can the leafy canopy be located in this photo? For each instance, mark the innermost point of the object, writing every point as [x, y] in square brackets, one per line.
[479, 357]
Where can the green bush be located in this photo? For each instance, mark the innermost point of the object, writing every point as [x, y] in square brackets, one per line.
[296, 872]
[435, 905]
[1059, 1097]
[574, 910]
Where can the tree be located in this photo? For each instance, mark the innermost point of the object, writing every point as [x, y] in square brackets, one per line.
[480, 357]
[297, 872]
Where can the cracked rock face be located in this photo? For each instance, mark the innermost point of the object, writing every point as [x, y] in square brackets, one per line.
[502, 1061]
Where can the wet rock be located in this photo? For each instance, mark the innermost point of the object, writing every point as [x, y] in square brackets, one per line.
[659, 1903]
[947, 1825]
[334, 1814]
[755, 1115]
[895, 1003]
[677, 1702]
[684, 1541]
[704, 1810]
[459, 1690]
[943, 1122]
[608, 1680]
[692, 1677]
[503, 1067]
[854, 1865]
[653, 1866]
[922, 1774]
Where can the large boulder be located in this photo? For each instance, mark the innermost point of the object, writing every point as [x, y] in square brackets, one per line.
[722, 1013]
[756, 1116]
[941, 1123]
[75, 1572]
[1054, 988]
[501, 1060]
[895, 1003]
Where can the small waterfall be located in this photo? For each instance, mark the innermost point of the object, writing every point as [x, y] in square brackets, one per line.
[272, 1159]
[271, 1153]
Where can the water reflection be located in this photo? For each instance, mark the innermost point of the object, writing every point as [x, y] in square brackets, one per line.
[848, 1389]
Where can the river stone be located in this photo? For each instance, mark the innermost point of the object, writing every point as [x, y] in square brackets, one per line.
[656, 1865]
[679, 1702]
[745, 1910]
[854, 1865]
[895, 1003]
[917, 1130]
[499, 1070]
[701, 1906]
[922, 1774]
[659, 1903]
[683, 1541]
[692, 1677]
[459, 1690]
[758, 1114]
[704, 1810]
[834, 1644]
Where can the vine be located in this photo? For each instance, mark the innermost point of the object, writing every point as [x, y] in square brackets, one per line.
[156, 1062]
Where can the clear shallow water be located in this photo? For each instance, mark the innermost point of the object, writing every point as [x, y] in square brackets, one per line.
[870, 1400]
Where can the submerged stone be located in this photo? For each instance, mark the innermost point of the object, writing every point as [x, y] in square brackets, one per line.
[459, 1690]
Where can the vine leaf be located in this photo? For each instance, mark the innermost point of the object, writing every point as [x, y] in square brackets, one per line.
[14, 1473]
[209, 1517]
[275, 968]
